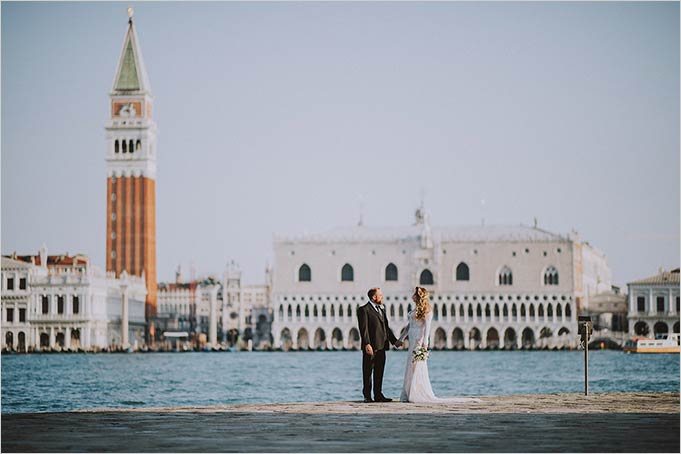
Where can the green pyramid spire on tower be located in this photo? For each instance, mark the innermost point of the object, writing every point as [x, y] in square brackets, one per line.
[131, 74]
[127, 79]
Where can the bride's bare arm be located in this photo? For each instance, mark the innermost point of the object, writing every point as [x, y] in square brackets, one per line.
[426, 334]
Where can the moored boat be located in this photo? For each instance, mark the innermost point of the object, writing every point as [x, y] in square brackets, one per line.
[664, 343]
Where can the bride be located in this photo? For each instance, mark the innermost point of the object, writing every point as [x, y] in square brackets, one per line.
[417, 386]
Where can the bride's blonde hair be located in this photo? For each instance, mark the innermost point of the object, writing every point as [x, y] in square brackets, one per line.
[423, 303]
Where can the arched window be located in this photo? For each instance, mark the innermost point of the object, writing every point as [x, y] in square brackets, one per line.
[347, 273]
[426, 278]
[532, 310]
[298, 311]
[340, 310]
[391, 272]
[116, 146]
[289, 313]
[470, 311]
[400, 312]
[462, 272]
[559, 310]
[505, 311]
[568, 312]
[138, 145]
[315, 312]
[522, 311]
[488, 312]
[349, 311]
[444, 310]
[304, 273]
[124, 146]
[462, 311]
[551, 276]
[436, 315]
[505, 276]
[540, 311]
[496, 310]
[392, 310]
[332, 311]
[307, 311]
[131, 149]
[514, 311]
[281, 312]
[549, 310]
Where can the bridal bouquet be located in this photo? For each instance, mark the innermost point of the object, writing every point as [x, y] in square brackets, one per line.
[421, 354]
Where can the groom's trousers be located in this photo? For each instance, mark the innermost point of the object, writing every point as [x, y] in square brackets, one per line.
[376, 364]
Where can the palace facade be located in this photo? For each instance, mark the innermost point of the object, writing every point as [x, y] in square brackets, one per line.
[492, 286]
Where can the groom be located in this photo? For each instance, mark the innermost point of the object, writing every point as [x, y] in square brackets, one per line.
[376, 339]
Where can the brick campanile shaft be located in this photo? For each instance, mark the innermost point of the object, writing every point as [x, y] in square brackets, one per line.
[131, 173]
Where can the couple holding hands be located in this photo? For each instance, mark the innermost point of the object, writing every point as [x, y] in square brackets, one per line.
[376, 337]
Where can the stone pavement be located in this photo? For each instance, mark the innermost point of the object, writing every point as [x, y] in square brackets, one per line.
[604, 422]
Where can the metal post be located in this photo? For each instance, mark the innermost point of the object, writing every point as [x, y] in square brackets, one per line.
[586, 360]
[584, 324]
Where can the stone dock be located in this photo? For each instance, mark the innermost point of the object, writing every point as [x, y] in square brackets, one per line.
[604, 422]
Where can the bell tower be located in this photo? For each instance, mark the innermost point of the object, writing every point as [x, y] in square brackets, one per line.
[131, 171]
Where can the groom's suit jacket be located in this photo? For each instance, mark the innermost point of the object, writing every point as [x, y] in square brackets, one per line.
[374, 328]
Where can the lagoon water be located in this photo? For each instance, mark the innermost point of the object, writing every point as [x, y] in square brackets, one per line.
[58, 382]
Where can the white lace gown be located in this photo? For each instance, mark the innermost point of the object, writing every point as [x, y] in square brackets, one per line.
[417, 386]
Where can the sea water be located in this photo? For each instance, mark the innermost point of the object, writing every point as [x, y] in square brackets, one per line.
[58, 382]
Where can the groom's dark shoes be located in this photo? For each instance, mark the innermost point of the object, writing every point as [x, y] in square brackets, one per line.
[367, 400]
[382, 399]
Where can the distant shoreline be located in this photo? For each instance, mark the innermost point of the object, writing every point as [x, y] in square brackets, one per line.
[221, 350]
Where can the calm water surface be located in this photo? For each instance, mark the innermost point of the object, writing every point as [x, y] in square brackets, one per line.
[85, 381]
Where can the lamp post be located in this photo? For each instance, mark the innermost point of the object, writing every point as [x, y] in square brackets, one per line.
[585, 330]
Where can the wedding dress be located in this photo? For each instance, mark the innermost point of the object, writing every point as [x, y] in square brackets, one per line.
[417, 386]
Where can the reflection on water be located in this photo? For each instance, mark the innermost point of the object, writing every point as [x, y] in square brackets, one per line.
[78, 381]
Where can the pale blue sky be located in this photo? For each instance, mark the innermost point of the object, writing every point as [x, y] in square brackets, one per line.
[275, 117]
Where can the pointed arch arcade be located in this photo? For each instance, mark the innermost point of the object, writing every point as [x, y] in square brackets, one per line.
[551, 276]
[505, 276]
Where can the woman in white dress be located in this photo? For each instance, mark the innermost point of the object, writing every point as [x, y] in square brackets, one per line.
[417, 386]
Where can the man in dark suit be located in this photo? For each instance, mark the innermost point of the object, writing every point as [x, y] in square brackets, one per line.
[376, 339]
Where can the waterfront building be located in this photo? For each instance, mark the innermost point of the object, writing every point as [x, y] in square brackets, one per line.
[16, 303]
[217, 313]
[492, 286]
[654, 304]
[176, 309]
[64, 302]
[131, 171]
